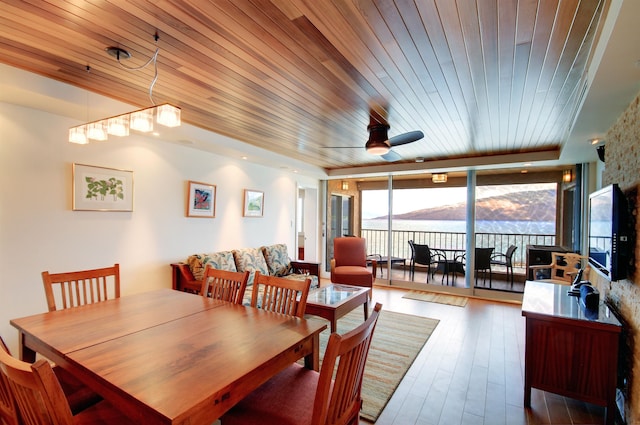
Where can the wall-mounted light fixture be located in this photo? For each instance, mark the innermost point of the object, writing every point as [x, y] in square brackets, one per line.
[345, 185]
[567, 176]
[439, 177]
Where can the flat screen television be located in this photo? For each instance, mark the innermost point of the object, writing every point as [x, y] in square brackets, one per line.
[609, 232]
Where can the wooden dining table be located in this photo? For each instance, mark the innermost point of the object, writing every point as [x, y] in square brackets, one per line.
[169, 357]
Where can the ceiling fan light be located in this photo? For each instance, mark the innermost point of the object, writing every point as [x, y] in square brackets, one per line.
[378, 143]
[377, 148]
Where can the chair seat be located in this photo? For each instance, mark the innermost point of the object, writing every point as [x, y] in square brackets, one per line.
[352, 275]
[286, 399]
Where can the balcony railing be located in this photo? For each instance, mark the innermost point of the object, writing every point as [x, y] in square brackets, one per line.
[377, 242]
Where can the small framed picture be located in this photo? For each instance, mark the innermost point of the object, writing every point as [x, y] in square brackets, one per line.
[101, 189]
[202, 200]
[253, 203]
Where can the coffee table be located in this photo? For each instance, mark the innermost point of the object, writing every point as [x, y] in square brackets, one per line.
[334, 301]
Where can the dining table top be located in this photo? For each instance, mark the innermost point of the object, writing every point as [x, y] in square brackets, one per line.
[170, 357]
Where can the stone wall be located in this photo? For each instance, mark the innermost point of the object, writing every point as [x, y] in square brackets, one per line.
[622, 166]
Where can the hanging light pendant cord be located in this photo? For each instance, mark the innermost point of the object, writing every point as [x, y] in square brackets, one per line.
[153, 59]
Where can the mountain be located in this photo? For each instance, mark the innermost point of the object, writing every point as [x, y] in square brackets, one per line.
[531, 205]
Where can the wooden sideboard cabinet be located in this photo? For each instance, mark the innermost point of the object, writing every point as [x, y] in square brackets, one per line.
[569, 351]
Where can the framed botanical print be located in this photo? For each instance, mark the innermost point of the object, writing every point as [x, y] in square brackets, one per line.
[253, 203]
[101, 189]
[201, 200]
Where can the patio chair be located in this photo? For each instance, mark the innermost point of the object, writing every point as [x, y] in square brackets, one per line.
[482, 263]
[505, 260]
[423, 255]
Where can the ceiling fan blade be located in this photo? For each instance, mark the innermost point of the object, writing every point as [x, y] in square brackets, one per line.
[403, 139]
[391, 156]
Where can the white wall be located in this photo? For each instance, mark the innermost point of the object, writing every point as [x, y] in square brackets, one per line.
[39, 231]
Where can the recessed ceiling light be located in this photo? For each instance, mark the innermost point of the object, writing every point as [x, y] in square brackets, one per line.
[594, 141]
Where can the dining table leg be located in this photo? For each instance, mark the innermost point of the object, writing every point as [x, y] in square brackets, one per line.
[26, 354]
[312, 360]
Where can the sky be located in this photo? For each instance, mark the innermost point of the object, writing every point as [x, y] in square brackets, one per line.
[375, 202]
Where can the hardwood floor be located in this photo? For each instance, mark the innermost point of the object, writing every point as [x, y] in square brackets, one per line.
[471, 370]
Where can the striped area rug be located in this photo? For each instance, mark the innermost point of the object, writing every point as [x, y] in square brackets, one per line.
[397, 340]
[435, 297]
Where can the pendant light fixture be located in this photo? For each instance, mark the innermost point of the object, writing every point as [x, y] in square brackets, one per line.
[141, 120]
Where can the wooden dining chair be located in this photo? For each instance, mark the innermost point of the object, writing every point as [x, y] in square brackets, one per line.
[9, 414]
[563, 268]
[41, 400]
[78, 395]
[301, 396]
[279, 294]
[224, 285]
[72, 289]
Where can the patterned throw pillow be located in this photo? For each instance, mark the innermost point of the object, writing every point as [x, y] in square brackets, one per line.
[277, 259]
[222, 260]
[218, 260]
[250, 259]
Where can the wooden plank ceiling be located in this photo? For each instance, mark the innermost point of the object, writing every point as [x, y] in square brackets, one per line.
[303, 77]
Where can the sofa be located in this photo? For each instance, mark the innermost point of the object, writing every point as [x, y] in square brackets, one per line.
[269, 260]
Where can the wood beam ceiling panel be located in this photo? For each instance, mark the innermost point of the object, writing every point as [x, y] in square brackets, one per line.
[298, 76]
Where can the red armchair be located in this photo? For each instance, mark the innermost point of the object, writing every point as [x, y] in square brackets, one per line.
[349, 262]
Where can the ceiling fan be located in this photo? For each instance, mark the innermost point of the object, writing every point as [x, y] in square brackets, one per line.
[379, 142]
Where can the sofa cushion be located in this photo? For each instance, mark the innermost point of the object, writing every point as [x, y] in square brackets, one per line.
[222, 260]
[252, 260]
[314, 279]
[277, 259]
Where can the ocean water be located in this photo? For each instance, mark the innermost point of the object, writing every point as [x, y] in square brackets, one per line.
[454, 226]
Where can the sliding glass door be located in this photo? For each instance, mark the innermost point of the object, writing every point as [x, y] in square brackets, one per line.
[507, 214]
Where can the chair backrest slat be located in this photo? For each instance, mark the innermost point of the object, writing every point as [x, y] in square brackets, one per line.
[36, 390]
[224, 285]
[9, 414]
[338, 396]
[280, 295]
[73, 289]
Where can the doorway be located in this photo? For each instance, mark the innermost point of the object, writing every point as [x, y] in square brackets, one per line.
[341, 220]
[306, 225]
